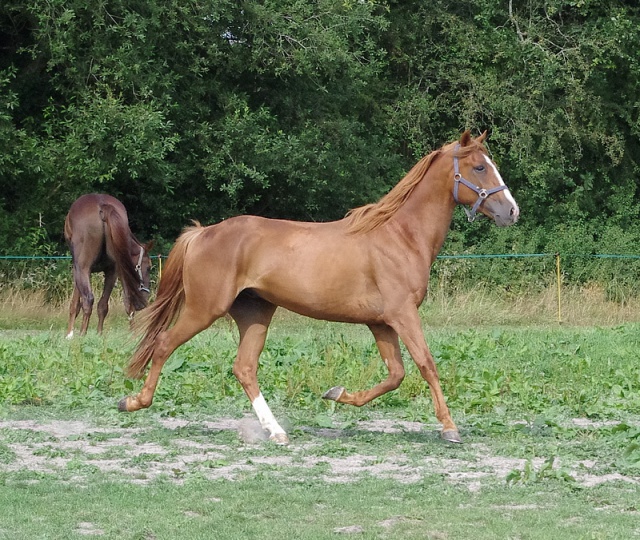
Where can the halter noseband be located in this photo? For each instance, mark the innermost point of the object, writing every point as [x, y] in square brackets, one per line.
[482, 193]
[139, 270]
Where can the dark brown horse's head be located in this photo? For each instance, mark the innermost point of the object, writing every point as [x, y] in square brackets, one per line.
[478, 184]
[138, 299]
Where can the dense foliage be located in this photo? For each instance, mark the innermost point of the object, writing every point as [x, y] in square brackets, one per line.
[298, 109]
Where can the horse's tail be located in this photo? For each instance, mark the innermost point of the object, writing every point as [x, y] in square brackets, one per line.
[118, 239]
[165, 309]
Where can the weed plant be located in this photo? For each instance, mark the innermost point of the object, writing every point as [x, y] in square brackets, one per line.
[583, 371]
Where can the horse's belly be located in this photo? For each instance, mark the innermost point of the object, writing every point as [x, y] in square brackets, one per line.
[343, 301]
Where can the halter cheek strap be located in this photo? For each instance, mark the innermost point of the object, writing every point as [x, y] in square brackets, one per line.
[139, 270]
[481, 192]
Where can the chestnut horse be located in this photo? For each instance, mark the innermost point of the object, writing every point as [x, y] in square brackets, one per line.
[97, 232]
[372, 267]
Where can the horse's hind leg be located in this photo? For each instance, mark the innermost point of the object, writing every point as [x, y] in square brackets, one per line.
[110, 278]
[74, 309]
[253, 315]
[190, 322]
[389, 347]
[82, 282]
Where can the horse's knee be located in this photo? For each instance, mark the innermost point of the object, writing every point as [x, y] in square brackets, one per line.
[87, 302]
[243, 372]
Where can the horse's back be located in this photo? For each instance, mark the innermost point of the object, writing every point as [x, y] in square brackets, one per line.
[316, 269]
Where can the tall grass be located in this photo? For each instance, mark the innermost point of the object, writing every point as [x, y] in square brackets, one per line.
[462, 292]
[482, 306]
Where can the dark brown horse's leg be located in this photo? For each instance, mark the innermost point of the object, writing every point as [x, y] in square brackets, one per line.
[409, 329]
[74, 309]
[83, 285]
[253, 315]
[189, 324]
[389, 347]
[110, 278]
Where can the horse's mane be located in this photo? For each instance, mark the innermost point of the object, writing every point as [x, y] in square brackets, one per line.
[371, 216]
[117, 236]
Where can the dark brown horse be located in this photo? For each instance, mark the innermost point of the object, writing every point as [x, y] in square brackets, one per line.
[97, 231]
[371, 267]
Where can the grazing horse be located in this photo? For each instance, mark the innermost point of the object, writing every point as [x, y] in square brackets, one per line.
[97, 232]
[372, 267]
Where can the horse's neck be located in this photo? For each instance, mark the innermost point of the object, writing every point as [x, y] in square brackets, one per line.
[134, 246]
[427, 214]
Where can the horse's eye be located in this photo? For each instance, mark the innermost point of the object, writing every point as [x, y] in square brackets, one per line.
[479, 168]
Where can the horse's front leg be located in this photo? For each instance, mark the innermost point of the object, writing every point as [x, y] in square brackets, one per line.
[389, 348]
[407, 324]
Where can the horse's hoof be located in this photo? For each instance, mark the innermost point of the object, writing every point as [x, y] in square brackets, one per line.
[122, 405]
[280, 439]
[333, 393]
[451, 435]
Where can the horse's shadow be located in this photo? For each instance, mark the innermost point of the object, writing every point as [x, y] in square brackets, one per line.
[250, 431]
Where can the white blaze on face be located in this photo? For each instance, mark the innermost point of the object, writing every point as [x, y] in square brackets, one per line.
[506, 192]
[264, 414]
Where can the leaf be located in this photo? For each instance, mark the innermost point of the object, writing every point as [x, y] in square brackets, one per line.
[174, 364]
[322, 420]
[631, 454]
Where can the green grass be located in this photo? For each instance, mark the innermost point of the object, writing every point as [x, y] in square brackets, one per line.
[579, 371]
[514, 390]
[263, 507]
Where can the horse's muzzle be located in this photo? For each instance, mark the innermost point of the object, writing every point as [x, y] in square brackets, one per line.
[503, 213]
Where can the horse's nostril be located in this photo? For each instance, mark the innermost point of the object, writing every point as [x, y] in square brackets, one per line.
[513, 211]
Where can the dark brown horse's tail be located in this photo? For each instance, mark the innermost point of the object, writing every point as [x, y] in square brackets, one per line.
[118, 237]
[165, 309]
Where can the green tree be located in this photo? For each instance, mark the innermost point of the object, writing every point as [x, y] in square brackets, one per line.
[303, 110]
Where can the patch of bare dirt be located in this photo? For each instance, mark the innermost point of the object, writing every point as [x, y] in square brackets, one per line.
[59, 446]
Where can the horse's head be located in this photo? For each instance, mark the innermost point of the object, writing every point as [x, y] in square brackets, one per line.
[478, 184]
[142, 263]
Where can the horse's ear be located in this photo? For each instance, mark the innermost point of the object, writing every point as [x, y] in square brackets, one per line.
[482, 137]
[465, 138]
[148, 246]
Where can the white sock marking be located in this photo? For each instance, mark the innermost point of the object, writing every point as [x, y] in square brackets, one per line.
[267, 420]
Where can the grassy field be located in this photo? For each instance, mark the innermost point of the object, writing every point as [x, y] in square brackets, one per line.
[549, 414]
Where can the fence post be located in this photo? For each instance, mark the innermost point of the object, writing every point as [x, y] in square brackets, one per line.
[559, 280]
[159, 267]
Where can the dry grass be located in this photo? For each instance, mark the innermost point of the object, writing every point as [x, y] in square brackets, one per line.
[483, 306]
[480, 307]
[30, 309]
[18, 307]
